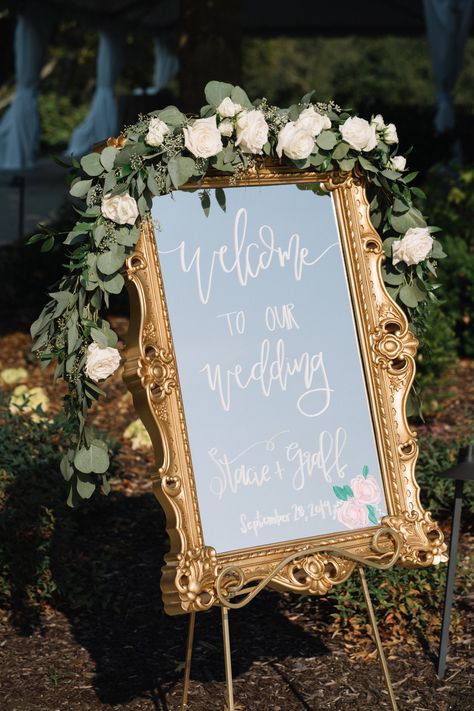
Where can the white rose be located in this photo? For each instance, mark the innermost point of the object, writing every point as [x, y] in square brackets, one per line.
[203, 138]
[359, 133]
[413, 247]
[226, 128]
[311, 121]
[157, 130]
[252, 131]
[378, 122]
[389, 134]
[122, 209]
[101, 362]
[398, 163]
[294, 142]
[227, 108]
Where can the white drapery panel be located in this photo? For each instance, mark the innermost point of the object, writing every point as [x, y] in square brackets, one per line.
[448, 23]
[20, 125]
[102, 119]
[166, 64]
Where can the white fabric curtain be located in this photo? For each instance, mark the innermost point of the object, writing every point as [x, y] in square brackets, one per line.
[20, 125]
[448, 23]
[102, 119]
[166, 64]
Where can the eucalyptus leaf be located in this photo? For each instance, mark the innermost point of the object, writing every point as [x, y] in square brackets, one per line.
[105, 486]
[99, 337]
[99, 233]
[172, 116]
[220, 197]
[85, 486]
[48, 244]
[317, 160]
[216, 91]
[437, 251]
[408, 296]
[92, 459]
[219, 163]
[110, 182]
[391, 174]
[112, 260]
[113, 284]
[376, 219]
[80, 188]
[418, 289]
[326, 140]
[294, 112]
[347, 164]
[411, 218]
[73, 497]
[181, 169]
[139, 184]
[400, 206]
[410, 177]
[152, 185]
[107, 157]
[393, 278]
[340, 150]
[387, 245]
[67, 470]
[307, 97]
[91, 164]
[72, 336]
[418, 193]
[367, 165]
[127, 237]
[205, 202]
[239, 96]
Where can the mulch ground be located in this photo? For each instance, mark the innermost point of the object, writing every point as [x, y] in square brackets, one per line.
[124, 653]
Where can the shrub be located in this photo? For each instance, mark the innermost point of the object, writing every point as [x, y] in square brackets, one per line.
[451, 206]
[38, 532]
[30, 501]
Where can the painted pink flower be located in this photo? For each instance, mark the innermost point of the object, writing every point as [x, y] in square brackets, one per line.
[353, 514]
[365, 490]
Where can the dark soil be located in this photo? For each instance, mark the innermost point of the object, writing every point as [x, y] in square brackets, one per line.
[123, 652]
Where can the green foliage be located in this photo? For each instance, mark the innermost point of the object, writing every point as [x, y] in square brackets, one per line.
[437, 493]
[59, 116]
[451, 194]
[30, 502]
[391, 71]
[409, 599]
[434, 327]
[37, 531]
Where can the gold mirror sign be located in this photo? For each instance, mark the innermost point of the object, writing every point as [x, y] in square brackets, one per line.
[272, 370]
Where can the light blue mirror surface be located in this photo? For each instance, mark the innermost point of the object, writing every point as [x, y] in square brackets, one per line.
[279, 425]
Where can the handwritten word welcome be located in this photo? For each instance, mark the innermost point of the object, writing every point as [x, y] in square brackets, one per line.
[245, 260]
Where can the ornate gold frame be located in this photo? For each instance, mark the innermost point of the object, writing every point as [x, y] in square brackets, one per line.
[387, 348]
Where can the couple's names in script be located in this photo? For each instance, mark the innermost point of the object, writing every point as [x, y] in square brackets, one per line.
[291, 462]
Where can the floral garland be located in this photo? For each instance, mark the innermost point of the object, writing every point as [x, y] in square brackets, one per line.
[161, 152]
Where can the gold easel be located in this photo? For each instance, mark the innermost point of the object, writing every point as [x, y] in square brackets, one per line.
[226, 593]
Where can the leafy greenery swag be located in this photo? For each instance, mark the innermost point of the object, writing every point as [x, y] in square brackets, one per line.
[129, 166]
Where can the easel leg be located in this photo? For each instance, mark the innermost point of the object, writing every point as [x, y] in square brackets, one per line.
[189, 655]
[378, 642]
[227, 658]
[449, 593]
